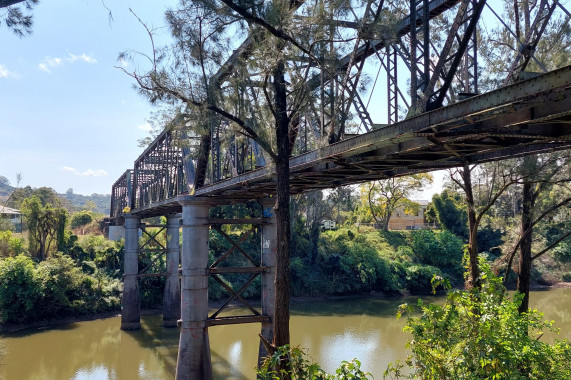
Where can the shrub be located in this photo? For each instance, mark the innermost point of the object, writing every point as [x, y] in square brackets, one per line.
[418, 277]
[562, 252]
[300, 368]
[53, 288]
[443, 249]
[10, 245]
[479, 334]
[80, 219]
[20, 289]
[61, 285]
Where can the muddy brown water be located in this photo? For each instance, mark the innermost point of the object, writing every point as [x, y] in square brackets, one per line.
[331, 331]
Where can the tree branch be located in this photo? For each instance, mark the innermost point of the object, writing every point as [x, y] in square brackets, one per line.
[561, 238]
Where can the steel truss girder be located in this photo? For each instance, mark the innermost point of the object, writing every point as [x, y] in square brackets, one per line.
[122, 195]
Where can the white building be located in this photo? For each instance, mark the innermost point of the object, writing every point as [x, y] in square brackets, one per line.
[15, 216]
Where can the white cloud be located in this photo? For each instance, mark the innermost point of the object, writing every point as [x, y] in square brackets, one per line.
[145, 127]
[5, 73]
[86, 173]
[84, 57]
[49, 63]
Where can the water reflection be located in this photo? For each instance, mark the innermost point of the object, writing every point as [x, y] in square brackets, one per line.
[330, 331]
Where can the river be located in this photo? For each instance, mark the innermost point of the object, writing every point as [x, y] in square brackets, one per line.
[331, 331]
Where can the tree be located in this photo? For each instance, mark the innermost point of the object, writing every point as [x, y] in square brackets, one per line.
[526, 21]
[387, 195]
[544, 191]
[80, 219]
[45, 195]
[312, 208]
[247, 90]
[45, 224]
[505, 49]
[492, 181]
[343, 200]
[18, 20]
[450, 211]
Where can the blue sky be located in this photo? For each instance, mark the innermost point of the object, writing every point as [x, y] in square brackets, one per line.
[69, 118]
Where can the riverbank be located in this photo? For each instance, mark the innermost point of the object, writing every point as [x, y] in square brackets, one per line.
[9, 328]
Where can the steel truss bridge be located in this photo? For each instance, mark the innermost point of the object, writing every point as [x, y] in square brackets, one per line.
[526, 117]
[522, 117]
[437, 117]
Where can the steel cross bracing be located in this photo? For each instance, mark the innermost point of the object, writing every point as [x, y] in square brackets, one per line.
[225, 165]
[250, 268]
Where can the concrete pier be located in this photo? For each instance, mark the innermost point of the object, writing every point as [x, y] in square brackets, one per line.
[130, 303]
[171, 296]
[194, 348]
[269, 251]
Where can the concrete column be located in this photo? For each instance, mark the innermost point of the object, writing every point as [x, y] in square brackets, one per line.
[194, 348]
[269, 251]
[171, 297]
[130, 304]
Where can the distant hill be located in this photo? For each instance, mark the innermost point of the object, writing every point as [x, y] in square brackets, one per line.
[5, 188]
[102, 202]
[71, 201]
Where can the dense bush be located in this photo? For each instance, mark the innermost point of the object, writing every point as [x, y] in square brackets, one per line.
[20, 289]
[440, 249]
[479, 334]
[10, 245]
[53, 288]
[562, 252]
[81, 218]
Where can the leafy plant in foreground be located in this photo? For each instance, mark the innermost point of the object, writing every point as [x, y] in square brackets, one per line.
[300, 368]
[479, 334]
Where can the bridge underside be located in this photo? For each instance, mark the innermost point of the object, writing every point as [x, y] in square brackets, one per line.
[527, 117]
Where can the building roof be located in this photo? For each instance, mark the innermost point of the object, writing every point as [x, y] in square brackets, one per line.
[421, 202]
[8, 210]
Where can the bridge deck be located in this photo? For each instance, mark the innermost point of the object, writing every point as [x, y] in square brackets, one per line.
[526, 117]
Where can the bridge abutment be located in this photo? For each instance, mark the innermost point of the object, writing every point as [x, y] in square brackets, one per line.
[171, 296]
[130, 303]
[194, 347]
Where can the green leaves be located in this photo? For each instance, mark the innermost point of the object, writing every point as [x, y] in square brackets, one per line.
[298, 367]
[479, 334]
[55, 287]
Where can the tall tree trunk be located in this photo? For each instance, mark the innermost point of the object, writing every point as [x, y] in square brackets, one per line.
[474, 275]
[528, 198]
[281, 319]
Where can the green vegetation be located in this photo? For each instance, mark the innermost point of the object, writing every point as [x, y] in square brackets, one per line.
[53, 288]
[479, 334]
[48, 272]
[352, 260]
[300, 368]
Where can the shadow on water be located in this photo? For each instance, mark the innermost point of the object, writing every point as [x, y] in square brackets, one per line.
[164, 342]
[161, 340]
[223, 369]
[348, 306]
[31, 330]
